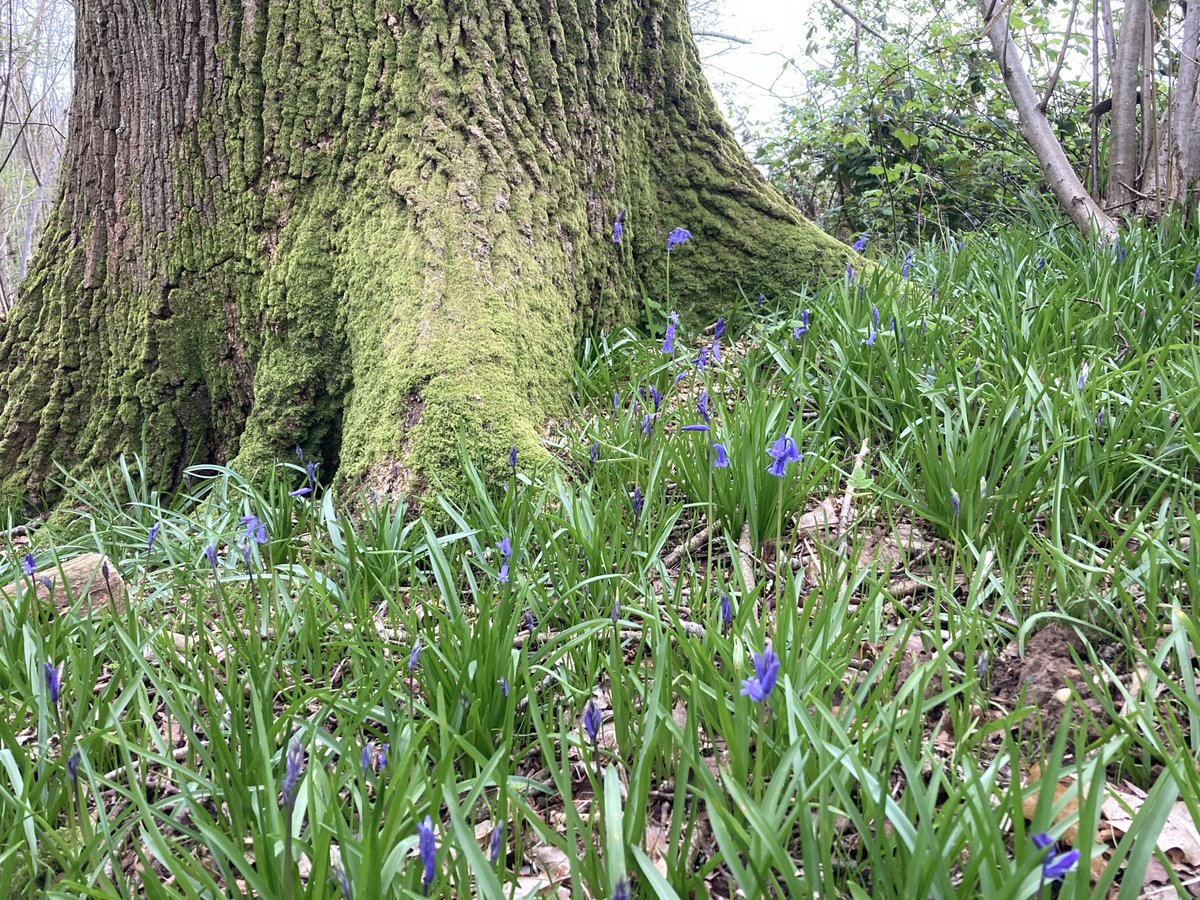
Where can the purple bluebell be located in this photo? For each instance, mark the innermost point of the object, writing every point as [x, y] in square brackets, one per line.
[875, 316]
[638, 501]
[1100, 419]
[677, 237]
[53, 682]
[766, 674]
[804, 323]
[256, 531]
[622, 890]
[726, 613]
[1056, 865]
[783, 452]
[211, 553]
[850, 273]
[504, 685]
[300, 492]
[1121, 252]
[591, 722]
[861, 244]
[291, 777]
[695, 428]
[907, 268]
[702, 359]
[1198, 276]
[1083, 378]
[312, 474]
[719, 328]
[531, 622]
[647, 424]
[496, 844]
[343, 881]
[1042, 841]
[152, 535]
[619, 227]
[716, 351]
[512, 459]
[1041, 264]
[892, 325]
[722, 459]
[616, 402]
[47, 583]
[761, 299]
[981, 665]
[594, 453]
[73, 766]
[505, 547]
[414, 658]
[616, 613]
[669, 340]
[427, 844]
[368, 758]
[871, 338]
[702, 408]
[503, 576]
[956, 502]
[680, 376]
[30, 566]
[657, 396]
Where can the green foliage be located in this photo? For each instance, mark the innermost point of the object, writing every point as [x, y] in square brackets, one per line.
[857, 777]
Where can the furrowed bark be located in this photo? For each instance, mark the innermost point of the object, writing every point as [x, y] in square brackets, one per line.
[1123, 135]
[1070, 192]
[1179, 155]
[366, 228]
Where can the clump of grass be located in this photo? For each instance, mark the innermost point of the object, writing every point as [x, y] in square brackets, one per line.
[304, 702]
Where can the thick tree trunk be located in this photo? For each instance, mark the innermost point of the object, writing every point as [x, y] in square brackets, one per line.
[360, 226]
[1179, 153]
[1126, 76]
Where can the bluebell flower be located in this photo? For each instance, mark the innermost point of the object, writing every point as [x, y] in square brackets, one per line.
[761, 299]
[702, 360]
[594, 453]
[669, 341]
[47, 583]
[1041, 264]
[726, 613]
[256, 531]
[53, 682]
[622, 890]
[1198, 276]
[861, 244]
[638, 501]
[907, 268]
[1083, 378]
[703, 428]
[211, 552]
[619, 227]
[414, 658]
[503, 576]
[657, 396]
[30, 566]
[702, 408]
[616, 613]
[871, 338]
[783, 452]
[291, 777]
[505, 547]
[512, 459]
[504, 686]
[152, 535]
[428, 848]
[647, 425]
[1121, 252]
[981, 665]
[722, 460]
[719, 328]
[680, 376]
[591, 722]
[677, 237]
[312, 474]
[766, 674]
[496, 844]
[300, 492]
[956, 502]
[1042, 841]
[803, 329]
[850, 273]
[616, 402]
[716, 351]
[531, 622]
[1056, 865]
[368, 759]
[343, 881]
[299, 453]
[1100, 419]
[73, 766]
[875, 316]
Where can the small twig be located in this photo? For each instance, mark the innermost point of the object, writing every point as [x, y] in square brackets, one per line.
[691, 546]
[848, 495]
[857, 21]
[746, 558]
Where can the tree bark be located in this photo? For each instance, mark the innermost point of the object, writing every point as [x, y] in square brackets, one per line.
[1123, 135]
[1179, 154]
[361, 226]
[1070, 192]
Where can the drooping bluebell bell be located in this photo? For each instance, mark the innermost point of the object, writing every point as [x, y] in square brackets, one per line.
[427, 844]
[256, 531]
[1056, 865]
[703, 428]
[152, 535]
[716, 351]
[861, 244]
[1083, 378]
[30, 566]
[591, 722]
[616, 402]
[871, 338]
[669, 340]
[719, 328]
[312, 474]
[676, 237]
[726, 613]
[956, 502]
[907, 268]
[638, 501]
[368, 758]
[647, 424]
[531, 622]
[783, 452]
[299, 453]
[702, 408]
[875, 316]
[300, 492]
[504, 686]
[622, 890]
[1121, 252]
[1100, 419]
[850, 273]
[73, 766]
[981, 665]
[211, 553]
[496, 844]
[343, 881]
[47, 583]
[657, 396]
[766, 674]
[292, 775]
[761, 299]
[53, 682]
[414, 658]
[1198, 276]
[504, 574]
[680, 376]
[512, 459]
[619, 227]
[702, 359]
[804, 325]
[1041, 263]
[594, 453]
[722, 458]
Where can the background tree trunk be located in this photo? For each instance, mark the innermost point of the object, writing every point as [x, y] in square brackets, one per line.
[1126, 78]
[360, 226]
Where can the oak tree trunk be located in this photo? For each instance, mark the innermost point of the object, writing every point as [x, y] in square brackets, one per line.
[359, 226]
